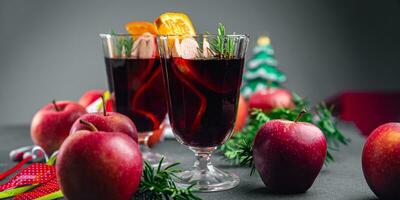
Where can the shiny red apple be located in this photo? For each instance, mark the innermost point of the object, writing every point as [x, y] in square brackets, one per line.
[99, 165]
[107, 122]
[270, 98]
[242, 114]
[381, 161]
[51, 124]
[289, 155]
[90, 96]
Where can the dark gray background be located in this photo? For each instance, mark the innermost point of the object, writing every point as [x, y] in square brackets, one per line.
[51, 49]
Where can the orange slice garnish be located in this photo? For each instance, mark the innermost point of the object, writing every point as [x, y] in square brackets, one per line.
[139, 28]
[174, 24]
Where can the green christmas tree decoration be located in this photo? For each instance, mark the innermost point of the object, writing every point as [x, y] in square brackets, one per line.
[261, 71]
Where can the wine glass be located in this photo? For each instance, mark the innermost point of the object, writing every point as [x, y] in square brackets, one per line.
[203, 74]
[135, 81]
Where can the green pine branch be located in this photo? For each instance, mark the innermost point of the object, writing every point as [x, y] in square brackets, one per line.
[157, 184]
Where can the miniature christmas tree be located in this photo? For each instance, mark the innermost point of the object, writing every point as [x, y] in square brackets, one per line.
[261, 71]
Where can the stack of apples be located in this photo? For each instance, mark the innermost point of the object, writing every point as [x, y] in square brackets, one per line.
[92, 148]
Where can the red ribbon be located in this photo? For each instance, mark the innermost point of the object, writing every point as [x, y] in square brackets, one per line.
[15, 168]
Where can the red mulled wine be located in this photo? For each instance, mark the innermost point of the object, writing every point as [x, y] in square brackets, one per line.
[139, 90]
[203, 97]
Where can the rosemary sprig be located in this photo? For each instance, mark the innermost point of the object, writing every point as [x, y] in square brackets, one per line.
[157, 184]
[123, 45]
[239, 151]
[222, 46]
[128, 44]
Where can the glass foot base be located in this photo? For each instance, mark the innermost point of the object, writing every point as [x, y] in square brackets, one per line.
[154, 158]
[210, 179]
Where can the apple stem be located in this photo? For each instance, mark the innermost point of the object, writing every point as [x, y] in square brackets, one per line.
[104, 106]
[300, 115]
[91, 126]
[55, 105]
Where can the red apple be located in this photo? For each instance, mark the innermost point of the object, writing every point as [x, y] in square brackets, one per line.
[108, 122]
[380, 161]
[289, 155]
[90, 96]
[99, 165]
[270, 98]
[51, 124]
[242, 113]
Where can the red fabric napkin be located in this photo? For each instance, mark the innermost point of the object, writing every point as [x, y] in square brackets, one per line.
[45, 189]
[36, 173]
[367, 110]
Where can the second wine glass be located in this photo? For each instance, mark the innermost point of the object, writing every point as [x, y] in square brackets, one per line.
[136, 84]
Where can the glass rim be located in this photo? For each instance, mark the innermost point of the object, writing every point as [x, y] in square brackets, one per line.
[207, 35]
[106, 35]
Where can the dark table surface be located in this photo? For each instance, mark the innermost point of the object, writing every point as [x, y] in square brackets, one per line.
[342, 179]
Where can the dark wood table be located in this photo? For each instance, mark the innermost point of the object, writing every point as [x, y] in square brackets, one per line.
[341, 180]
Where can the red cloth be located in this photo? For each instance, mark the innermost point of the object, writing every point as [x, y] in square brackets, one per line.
[367, 110]
[43, 190]
[36, 173]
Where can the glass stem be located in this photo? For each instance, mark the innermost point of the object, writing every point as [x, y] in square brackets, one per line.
[203, 158]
